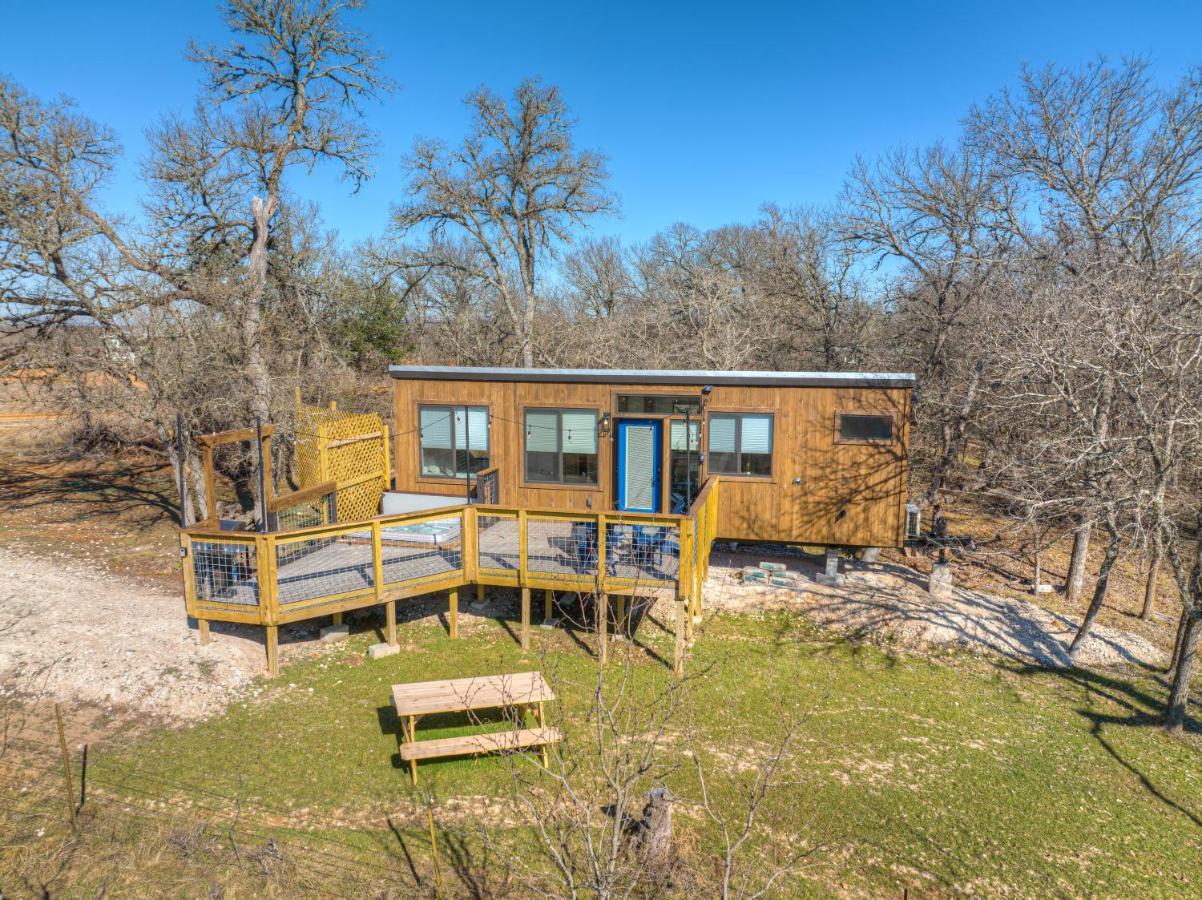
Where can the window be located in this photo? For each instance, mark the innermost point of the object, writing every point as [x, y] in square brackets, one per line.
[865, 427]
[684, 464]
[740, 444]
[454, 440]
[647, 404]
[561, 446]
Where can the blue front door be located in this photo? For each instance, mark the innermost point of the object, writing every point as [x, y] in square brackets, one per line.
[640, 450]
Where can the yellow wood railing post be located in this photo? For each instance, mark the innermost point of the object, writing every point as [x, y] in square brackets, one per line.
[188, 570]
[377, 564]
[470, 546]
[684, 586]
[387, 460]
[268, 599]
[524, 574]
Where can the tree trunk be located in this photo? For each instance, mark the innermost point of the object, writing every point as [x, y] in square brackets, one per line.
[1099, 592]
[1150, 584]
[179, 477]
[655, 828]
[254, 363]
[1076, 564]
[1174, 718]
[199, 488]
[953, 442]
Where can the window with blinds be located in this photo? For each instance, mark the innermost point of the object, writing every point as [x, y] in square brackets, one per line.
[740, 444]
[561, 446]
[454, 440]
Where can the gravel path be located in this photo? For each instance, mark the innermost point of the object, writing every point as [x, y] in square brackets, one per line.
[73, 633]
[886, 601]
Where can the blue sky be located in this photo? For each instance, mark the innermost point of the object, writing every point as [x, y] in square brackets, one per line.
[705, 110]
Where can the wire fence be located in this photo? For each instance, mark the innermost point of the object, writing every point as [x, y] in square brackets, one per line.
[422, 551]
[226, 571]
[498, 543]
[488, 486]
[313, 567]
[333, 566]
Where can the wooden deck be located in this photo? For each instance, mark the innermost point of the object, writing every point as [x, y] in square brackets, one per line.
[271, 579]
[344, 563]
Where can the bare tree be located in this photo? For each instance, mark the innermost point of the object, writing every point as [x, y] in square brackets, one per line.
[296, 89]
[812, 290]
[939, 212]
[1105, 167]
[515, 188]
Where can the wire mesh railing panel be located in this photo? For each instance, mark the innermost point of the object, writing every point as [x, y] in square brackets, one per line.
[225, 572]
[497, 544]
[324, 566]
[421, 550]
[642, 552]
[561, 547]
[488, 486]
[306, 514]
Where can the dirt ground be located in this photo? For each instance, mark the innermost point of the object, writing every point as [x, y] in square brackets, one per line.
[889, 602]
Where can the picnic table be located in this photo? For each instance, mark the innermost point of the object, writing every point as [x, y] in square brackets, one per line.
[520, 691]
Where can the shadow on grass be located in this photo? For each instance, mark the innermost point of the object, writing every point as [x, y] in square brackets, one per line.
[1140, 709]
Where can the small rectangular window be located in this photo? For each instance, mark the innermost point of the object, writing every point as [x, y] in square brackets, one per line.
[865, 427]
[658, 405]
[454, 440]
[561, 446]
[740, 444]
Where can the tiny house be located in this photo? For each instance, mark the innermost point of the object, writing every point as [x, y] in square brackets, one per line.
[815, 458]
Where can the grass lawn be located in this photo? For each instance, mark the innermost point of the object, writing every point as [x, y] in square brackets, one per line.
[942, 774]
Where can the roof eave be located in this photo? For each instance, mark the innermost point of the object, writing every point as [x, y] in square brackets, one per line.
[656, 377]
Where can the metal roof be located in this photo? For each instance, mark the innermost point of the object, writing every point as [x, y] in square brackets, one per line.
[657, 376]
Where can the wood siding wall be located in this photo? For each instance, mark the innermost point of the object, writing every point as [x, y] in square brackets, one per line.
[850, 494]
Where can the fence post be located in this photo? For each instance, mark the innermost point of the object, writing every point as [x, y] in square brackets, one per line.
[387, 461]
[524, 574]
[471, 545]
[62, 744]
[684, 590]
[188, 570]
[268, 599]
[377, 565]
[602, 596]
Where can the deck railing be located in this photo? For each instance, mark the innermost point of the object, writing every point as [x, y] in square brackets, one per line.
[271, 579]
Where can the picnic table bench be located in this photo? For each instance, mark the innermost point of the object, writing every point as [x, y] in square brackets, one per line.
[521, 690]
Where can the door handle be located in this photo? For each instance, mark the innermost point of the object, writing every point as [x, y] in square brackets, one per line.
[797, 479]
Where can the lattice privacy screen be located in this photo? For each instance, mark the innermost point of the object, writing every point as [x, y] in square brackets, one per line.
[350, 449]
